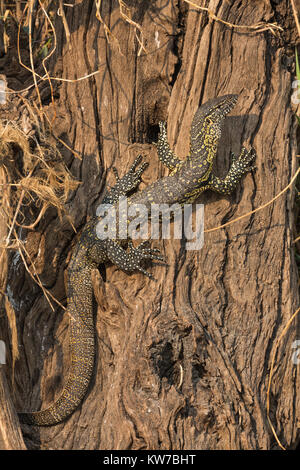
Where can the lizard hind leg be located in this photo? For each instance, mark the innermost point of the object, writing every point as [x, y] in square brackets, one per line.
[132, 259]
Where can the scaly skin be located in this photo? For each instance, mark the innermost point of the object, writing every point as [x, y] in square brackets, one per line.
[188, 178]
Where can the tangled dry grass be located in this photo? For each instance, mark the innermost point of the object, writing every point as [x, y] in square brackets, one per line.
[33, 177]
[39, 177]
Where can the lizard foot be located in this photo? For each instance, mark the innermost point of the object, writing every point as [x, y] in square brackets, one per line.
[127, 183]
[239, 167]
[132, 178]
[243, 162]
[140, 253]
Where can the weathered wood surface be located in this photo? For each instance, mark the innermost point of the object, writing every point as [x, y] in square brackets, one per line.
[182, 363]
[10, 432]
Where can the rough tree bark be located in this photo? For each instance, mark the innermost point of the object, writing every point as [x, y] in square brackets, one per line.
[182, 363]
[10, 432]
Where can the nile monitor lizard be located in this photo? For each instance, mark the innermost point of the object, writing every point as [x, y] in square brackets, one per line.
[188, 178]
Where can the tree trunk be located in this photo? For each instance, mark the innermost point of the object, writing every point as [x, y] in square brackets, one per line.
[10, 432]
[184, 362]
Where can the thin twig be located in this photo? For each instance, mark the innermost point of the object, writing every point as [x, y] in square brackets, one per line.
[258, 28]
[48, 56]
[296, 17]
[64, 20]
[15, 216]
[45, 77]
[107, 31]
[272, 371]
[124, 12]
[258, 208]
[31, 2]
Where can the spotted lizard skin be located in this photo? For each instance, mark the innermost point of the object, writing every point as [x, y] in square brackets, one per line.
[187, 179]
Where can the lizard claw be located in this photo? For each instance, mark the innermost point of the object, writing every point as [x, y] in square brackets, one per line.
[115, 171]
[136, 162]
[233, 157]
[163, 127]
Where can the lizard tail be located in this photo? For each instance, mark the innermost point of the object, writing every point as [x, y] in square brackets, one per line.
[82, 345]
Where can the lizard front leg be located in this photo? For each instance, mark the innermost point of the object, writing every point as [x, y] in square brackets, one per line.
[239, 167]
[127, 183]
